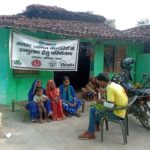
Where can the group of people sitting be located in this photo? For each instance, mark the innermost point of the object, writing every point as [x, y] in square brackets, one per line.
[115, 97]
[52, 103]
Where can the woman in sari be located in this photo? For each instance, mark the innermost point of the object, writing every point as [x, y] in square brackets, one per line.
[32, 106]
[53, 93]
[69, 101]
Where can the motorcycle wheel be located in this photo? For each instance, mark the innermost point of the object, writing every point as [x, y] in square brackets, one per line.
[144, 116]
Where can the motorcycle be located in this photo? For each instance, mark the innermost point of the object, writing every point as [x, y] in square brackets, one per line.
[141, 107]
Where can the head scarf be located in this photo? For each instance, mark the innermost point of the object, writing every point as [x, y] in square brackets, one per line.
[51, 93]
[32, 90]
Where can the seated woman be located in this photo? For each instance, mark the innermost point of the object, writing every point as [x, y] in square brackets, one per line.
[90, 90]
[53, 93]
[32, 106]
[69, 101]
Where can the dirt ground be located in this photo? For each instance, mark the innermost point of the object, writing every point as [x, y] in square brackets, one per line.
[63, 135]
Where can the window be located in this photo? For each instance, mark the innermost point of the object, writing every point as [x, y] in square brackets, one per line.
[113, 56]
[25, 72]
[147, 48]
[109, 58]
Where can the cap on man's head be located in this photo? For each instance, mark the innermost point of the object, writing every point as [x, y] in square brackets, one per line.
[103, 77]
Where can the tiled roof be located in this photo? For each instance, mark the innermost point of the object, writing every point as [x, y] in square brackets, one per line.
[72, 28]
[77, 24]
[138, 33]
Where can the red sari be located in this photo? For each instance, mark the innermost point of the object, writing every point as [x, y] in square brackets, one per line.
[56, 103]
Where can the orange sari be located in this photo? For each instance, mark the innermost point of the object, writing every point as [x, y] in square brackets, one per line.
[56, 103]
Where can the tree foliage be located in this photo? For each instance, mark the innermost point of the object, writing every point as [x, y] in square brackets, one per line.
[143, 22]
[110, 22]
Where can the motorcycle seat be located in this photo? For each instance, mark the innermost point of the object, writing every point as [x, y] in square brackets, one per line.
[140, 92]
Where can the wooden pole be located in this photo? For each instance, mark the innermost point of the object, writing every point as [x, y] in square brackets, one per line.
[1, 124]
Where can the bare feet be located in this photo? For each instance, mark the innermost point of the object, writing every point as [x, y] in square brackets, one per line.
[34, 120]
[61, 118]
[49, 114]
[41, 121]
[68, 115]
[44, 120]
[78, 114]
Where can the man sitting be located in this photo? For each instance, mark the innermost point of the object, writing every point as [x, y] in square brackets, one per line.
[116, 96]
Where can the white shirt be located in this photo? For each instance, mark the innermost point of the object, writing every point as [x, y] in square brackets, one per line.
[37, 98]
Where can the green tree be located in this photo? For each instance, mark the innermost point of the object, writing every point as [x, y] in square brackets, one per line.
[143, 22]
[110, 22]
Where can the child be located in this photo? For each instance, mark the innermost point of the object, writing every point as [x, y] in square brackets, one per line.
[40, 98]
[90, 90]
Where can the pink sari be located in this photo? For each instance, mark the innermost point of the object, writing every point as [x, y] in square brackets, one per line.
[56, 103]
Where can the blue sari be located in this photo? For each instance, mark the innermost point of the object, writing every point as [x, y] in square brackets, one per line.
[68, 96]
[32, 106]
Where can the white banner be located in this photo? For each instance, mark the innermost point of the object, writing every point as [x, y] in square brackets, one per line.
[29, 53]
